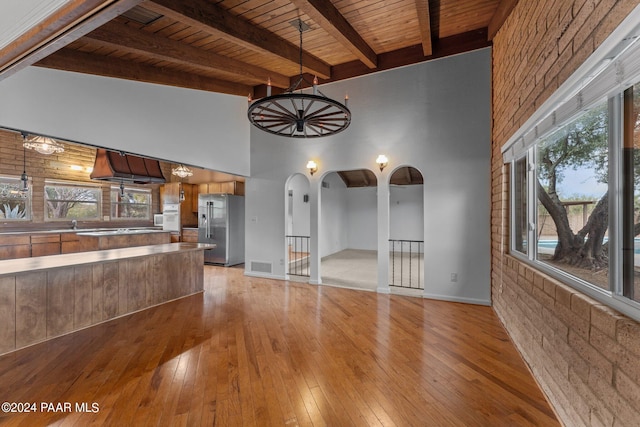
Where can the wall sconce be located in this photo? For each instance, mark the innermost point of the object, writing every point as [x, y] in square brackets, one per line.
[313, 168]
[382, 161]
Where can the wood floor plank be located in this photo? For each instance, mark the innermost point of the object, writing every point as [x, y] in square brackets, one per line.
[262, 352]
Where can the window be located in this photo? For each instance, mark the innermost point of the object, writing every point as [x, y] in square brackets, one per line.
[572, 193]
[575, 180]
[64, 201]
[15, 205]
[520, 217]
[133, 203]
[631, 194]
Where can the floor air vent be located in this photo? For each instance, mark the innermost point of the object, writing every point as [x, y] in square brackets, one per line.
[261, 267]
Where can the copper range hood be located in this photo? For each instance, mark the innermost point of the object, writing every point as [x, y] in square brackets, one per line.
[119, 167]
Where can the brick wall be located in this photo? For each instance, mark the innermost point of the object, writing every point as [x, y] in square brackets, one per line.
[585, 356]
[58, 166]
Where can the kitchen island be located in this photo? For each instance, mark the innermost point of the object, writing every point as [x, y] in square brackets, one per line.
[122, 238]
[45, 297]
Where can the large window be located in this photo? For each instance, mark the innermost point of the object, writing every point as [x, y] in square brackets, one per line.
[15, 205]
[573, 209]
[66, 201]
[130, 203]
[575, 182]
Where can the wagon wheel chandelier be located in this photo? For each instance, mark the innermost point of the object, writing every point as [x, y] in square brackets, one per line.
[296, 114]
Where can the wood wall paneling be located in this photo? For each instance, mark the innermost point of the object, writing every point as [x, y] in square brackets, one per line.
[60, 301]
[31, 308]
[159, 279]
[137, 288]
[83, 296]
[123, 286]
[111, 275]
[97, 294]
[7, 313]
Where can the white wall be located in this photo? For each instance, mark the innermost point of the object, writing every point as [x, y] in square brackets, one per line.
[334, 215]
[298, 208]
[198, 128]
[407, 212]
[434, 116]
[362, 214]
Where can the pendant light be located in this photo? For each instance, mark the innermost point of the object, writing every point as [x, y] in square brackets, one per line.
[42, 144]
[296, 114]
[24, 179]
[182, 171]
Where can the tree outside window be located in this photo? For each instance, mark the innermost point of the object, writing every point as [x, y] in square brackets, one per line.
[72, 202]
[573, 209]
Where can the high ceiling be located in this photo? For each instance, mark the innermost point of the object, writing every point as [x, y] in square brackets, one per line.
[235, 46]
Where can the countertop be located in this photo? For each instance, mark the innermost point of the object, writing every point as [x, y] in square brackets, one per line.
[77, 230]
[119, 232]
[20, 265]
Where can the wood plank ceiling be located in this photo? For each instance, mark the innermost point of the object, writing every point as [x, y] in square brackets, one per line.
[235, 46]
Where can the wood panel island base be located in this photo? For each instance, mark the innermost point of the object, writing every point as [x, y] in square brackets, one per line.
[45, 297]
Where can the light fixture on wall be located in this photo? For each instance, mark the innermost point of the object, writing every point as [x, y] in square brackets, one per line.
[182, 171]
[296, 114]
[42, 144]
[182, 196]
[382, 161]
[24, 179]
[312, 167]
[121, 188]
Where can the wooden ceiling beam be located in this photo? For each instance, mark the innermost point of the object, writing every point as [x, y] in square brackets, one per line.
[424, 21]
[500, 16]
[65, 25]
[447, 46]
[81, 62]
[132, 40]
[325, 14]
[407, 172]
[365, 180]
[212, 19]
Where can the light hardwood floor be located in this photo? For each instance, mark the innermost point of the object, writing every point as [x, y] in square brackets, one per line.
[260, 352]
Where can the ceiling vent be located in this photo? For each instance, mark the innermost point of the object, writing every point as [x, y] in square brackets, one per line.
[120, 167]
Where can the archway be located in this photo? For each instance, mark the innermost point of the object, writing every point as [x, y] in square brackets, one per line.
[348, 237]
[406, 229]
[297, 226]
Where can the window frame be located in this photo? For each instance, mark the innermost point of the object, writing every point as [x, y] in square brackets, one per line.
[599, 78]
[76, 184]
[134, 190]
[9, 179]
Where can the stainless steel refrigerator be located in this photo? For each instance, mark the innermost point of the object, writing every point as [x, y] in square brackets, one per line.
[221, 222]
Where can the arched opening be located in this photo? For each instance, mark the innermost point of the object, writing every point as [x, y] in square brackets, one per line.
[297, 227]
[348, 236]
[406, 229]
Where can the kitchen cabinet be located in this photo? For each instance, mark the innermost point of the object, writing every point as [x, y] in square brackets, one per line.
[190, 235]
[15, 246]
[71, 243]
[169, 193]
[45, 244]
[226, 187]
